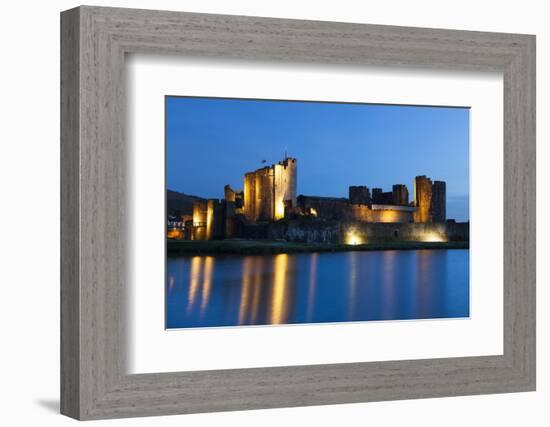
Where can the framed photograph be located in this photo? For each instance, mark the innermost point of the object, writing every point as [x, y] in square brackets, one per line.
[291, 241]
[262, 213]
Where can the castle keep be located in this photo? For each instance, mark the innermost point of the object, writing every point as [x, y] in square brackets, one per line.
[269, 196]
[269, 191]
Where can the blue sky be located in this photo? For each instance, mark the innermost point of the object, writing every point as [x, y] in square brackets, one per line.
[211, 142]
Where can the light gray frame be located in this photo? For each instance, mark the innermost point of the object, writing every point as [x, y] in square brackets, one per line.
[94, 41]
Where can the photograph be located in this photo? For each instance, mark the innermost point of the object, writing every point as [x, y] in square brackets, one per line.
[293, 212]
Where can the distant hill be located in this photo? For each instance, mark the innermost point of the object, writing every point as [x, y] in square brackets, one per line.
[180, 203]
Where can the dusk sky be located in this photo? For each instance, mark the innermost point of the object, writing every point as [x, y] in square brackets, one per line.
[212, 142]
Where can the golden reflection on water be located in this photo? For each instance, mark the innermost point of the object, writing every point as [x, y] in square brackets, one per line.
[251, 289]
[207, 281]
[282, 289]
[257, 289]
[273, 289]
[245, 289]
[194, 280]
[279, 303]
[200, 279]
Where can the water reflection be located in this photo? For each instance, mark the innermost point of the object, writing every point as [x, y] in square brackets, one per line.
[246, 290]
[207, 281]
[194, 280]
[232, 290]
[200, 281]
[279, 303]
[388, 298]
[314, 259]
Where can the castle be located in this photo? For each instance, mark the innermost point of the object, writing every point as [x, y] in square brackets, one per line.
[270, 194]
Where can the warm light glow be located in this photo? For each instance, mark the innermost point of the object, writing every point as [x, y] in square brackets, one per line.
[390, 216]
[207, 281]
[433, 236]
[248, 198]
[279, 304]
[313, 211]
[251, 289]
[175, 234]
[245, 289]
[279, 209]
[194, 278]
[209, 220]
[354, 238]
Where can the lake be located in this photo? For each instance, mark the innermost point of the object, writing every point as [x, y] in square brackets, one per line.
[233, 290]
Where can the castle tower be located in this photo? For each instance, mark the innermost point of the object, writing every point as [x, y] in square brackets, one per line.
[249, 193]
[228, 193]
[284, 186]
[439, 201]
[200, 209]
[215, 214]
[422, 199]
[267, 191]
[400, 195]
[376, 195]
[359, 195]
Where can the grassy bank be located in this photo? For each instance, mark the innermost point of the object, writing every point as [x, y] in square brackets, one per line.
[254, 247]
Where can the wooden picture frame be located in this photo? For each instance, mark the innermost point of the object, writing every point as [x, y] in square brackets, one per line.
[94, 382]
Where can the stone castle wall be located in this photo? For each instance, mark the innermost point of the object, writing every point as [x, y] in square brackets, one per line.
[200, 209]
[264, 195]
[364, 213]
[439, 201]
[422, 199]
[284, 181]
[215, 219]
[268, 190]
[269, 195]
[400, 195]
[328, 232]
[330, 208]
[250, 196]
[359, 195]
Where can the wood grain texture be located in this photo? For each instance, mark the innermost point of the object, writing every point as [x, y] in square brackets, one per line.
[70, 259]
[94, 267]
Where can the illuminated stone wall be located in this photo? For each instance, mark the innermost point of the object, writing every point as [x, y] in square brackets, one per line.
[284, 191]
[268, 190]
[215, 219]
[228, 194]
[332, 208]
[200, 209]
[250, 196]
[264, 195]
[422, 199]
[416, 232]
[388, 232]
[354, 233]
[366, 214]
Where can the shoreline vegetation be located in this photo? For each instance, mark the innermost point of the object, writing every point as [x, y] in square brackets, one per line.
[261, 247]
